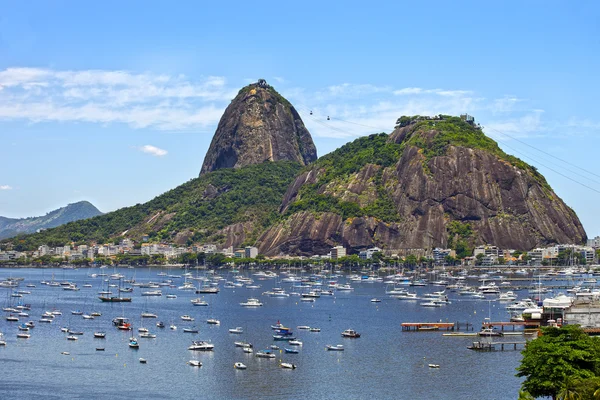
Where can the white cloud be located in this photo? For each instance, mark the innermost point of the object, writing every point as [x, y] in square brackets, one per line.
[141, 100]
[153, 150]
[439, 92]
[527, 125]
[5, 187]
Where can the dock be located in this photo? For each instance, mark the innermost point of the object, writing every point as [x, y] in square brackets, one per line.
[492, 346]
[435, 326]
[514, 325]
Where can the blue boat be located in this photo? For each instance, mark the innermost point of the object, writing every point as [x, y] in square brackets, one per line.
[291, 351]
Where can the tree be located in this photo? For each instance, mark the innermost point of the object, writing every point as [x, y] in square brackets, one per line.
[557, 354]
[410, 260]
[479, 257]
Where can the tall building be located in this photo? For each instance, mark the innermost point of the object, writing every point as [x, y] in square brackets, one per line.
[338, 252]
[251, 252]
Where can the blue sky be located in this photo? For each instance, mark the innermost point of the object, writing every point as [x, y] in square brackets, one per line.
[116, 102]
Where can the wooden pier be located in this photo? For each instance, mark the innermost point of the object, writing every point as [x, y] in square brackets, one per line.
[502, 325]
[491, 346]
[435, 326]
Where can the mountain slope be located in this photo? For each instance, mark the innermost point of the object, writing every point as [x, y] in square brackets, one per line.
[431, 183]
[10, 227]
[228, 207]
[258, 126]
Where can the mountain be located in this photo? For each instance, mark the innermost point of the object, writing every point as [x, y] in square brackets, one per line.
[258, 126]
[10, 227]
[434, 182]
[230, 207]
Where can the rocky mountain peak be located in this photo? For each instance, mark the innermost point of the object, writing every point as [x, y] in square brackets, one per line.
[258, 126]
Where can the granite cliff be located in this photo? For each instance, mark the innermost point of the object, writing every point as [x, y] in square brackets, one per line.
[258, 126]
[434, 182]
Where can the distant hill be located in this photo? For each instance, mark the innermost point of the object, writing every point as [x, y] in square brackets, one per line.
[10, 227]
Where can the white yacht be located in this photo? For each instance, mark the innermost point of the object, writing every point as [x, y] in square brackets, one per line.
[251, 303]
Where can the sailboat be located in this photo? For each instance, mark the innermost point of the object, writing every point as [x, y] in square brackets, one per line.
[107, 298]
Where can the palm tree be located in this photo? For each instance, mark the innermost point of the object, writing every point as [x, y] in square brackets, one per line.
[568, 392]
[524, 395]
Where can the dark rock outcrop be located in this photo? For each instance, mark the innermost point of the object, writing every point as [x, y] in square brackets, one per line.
[502, 203]
[258, 126]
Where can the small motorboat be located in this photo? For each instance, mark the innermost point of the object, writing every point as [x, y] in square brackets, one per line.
[186, 318]
[237, 330]
[143, 330]
[291, 351]
[213, 321]
[337, 347]
[191, 330]
[149, 315]
[78, 333]
[147, 335]
[23, 335]
[248, 350]
[160, 324]
[71, 337]
[65, 353]
[488, 332]
[99, 335]
[264, 354]
[305, 327]
[434, 365]
[315, 329]
[350, 333]
[242, 344]
[173, 327]
[239, 365]
[133, 343]
[274, 347]
[287, 365]
[171, 296]
[143, 361]
[375, 300]
[99, 348]
[195, 363]
[295, 343]
[201, 345]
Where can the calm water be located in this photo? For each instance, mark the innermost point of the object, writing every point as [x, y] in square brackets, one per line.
[384, 363]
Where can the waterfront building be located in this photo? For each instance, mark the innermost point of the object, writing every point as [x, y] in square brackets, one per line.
[368, 254]
[338, 252]
[250, 252]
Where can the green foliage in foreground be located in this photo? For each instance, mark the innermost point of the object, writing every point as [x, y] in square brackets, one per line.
[338, 165]
[249, 194]
[559, 362]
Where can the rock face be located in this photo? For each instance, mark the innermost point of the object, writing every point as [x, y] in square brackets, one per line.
[10, 227]
[485, 192]
[258, 126]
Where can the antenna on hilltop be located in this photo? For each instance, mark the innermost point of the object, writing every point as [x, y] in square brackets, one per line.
[262, 83]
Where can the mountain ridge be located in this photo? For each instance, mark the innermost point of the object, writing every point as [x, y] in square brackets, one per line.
[10, 227]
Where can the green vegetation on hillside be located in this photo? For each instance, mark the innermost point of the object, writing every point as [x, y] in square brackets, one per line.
[250, 194]
[459, 235]
[342, 163]
[453, 131]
